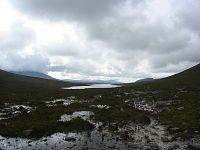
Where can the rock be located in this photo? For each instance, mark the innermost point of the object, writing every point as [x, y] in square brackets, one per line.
[173, 147]
[29, 142]
[148, 140]
[174, 130]
[165, 139]
[125, 135]
[113, 127]
[111, 147]
[154, 146]
[70, 139]
[180, 108]
[147, 147]
[44, 140]
[21, 108]
[27, 132]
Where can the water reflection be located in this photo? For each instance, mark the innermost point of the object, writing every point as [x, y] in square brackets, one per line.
[92, 86]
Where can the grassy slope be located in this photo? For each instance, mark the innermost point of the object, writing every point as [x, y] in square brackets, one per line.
[185, 86]
[189, 78]
[43, 120]
[17, 87]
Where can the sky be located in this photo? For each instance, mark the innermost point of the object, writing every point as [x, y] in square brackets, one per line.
[122, 40]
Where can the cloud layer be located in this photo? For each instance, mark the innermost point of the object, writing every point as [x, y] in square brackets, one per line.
[93, 39]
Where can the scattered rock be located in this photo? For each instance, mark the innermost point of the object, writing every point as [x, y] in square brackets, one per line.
[180, 108]
[173, 147]
[174, 130]
[165, 139]
[154, 146]
[147, 148]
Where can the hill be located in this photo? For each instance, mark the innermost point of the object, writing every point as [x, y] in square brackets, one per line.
[189, 78]
[179, 95]
[13, 86]
[33, 74]
[173, 101]
[144, 80]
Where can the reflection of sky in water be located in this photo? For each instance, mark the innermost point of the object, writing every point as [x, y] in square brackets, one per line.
[93, 86]
[91, 140]
[98, 139]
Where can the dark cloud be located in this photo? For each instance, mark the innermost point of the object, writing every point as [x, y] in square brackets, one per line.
[187, 13]
[76, 9]
[129, 38]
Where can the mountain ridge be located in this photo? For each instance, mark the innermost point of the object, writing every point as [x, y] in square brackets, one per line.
[33, 74]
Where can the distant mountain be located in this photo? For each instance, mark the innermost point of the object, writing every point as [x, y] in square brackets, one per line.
[94, 81]
[44, 76]
[189, 78]
[33, 74]
[14, 86]
[144, 80]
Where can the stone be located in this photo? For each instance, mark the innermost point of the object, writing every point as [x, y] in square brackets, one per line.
[154, 146]
[165, 139]
[173, 147]
[174, 130]
[180, 108]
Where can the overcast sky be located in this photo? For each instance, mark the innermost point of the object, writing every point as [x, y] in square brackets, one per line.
[100, 39]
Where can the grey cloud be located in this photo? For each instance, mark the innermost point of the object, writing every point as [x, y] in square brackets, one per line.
[17, 38]
[188, 12]
[13, 46]
[119, 41]
[17, 62]
[70, 9]
[156, 38]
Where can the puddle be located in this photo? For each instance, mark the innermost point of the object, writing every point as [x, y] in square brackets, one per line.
[94, 140]
[93, 86]
[85, 115]
[131, 136]
[152, 136]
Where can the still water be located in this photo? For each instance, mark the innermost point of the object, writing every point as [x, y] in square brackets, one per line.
[92, 86]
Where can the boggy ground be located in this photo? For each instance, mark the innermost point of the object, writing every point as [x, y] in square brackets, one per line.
[130, 117]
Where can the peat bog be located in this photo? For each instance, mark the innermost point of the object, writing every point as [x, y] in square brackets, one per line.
[160, 114]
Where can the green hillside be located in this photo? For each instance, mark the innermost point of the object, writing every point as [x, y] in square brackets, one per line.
[189, 78]
[178, 97]
[183, 89]
[19, 87]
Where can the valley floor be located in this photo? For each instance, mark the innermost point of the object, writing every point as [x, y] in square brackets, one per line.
[120, 118]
